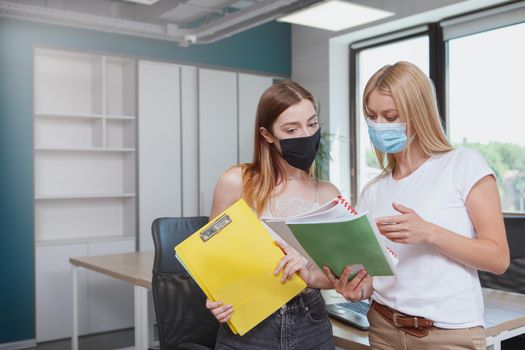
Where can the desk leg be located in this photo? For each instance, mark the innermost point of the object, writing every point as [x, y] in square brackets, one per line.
[151, 322]
[74, 336]
[495, 346]
[141, 318]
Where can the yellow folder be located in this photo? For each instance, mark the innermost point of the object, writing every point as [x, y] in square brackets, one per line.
[233, 259]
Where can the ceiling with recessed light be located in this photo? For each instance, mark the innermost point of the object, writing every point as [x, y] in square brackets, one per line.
[184, 21]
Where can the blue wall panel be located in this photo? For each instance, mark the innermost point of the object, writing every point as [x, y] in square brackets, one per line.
[265, 49]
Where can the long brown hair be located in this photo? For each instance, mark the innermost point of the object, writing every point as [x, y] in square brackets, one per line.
[414, 95]
[264, 173]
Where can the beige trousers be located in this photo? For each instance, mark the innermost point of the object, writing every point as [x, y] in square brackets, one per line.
[384, 336]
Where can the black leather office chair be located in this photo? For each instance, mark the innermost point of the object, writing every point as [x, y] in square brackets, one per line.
[182, 318]
[513, 280]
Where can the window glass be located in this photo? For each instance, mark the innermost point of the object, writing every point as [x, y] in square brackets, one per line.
[485, 104]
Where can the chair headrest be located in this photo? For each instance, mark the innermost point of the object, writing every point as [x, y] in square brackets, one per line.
[167, 233]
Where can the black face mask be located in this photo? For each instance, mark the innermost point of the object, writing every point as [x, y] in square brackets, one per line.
[300, 152]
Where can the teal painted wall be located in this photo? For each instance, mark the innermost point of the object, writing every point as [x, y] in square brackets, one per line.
[266, 48]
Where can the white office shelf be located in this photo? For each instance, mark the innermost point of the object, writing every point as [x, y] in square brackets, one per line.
[62, 115]
[85, 202]
[39, 114]
[87, 239]
[120, 117]
[84, 196]
[105, 150]
[57, 149]
[85, 140]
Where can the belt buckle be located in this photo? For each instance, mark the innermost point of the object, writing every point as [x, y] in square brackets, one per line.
[395, 315]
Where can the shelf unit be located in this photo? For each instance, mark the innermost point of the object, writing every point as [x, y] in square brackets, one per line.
[84, 185]
[84, 146]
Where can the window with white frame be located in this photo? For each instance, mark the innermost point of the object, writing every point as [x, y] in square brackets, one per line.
[485, 104]
[478, 59]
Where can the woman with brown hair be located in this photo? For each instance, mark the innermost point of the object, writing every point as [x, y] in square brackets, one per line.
[441, 209]
[280, 183]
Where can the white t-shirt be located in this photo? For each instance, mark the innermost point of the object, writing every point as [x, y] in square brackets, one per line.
[428, 283]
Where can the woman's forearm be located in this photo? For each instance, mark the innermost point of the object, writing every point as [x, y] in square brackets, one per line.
[482, 254]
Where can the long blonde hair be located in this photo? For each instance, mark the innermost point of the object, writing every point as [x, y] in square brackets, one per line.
[415, 99]
[264, 173]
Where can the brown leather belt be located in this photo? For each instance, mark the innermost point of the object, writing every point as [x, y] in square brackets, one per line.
[416, 326]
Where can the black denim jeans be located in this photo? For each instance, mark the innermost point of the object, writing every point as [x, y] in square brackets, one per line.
[301, 324]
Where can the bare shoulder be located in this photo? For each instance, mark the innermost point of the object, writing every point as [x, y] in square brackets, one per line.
[228, 190]
[327, 191]
[231, 178]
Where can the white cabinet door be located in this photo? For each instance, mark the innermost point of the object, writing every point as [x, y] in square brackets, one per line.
[54, 291]
[218, 130]
[110, 300]
[159, 146]
[190, 141]
[251, 88]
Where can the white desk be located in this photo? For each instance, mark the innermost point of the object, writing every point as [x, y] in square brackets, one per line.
[134, 268]
[504, 311]
[504, 316]
[504, 319]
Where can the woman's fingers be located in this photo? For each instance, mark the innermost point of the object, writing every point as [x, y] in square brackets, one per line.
[388, 220]
[364, 288]
[391, 228]
[284, 247]
[362, 284]
[294, 264]
[329, 274]
[221, 312]
[363, 279]
[361, 275]
[285, 260]
[291, 268]
[291, 263]
[396, 236]
[291, 254]
[224, 316]
[287, 271]
[343, 279]
[212, 304]
[351, 290]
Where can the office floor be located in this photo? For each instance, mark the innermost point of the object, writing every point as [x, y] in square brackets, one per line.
[101, 341]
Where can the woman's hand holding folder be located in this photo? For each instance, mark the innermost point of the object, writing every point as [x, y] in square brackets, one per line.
[293, 262]
[221, 312]
[289, 265]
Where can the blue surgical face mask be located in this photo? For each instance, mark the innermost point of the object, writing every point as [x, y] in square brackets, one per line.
[388, 137]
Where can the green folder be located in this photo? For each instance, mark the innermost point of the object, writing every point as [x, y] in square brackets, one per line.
[342, 242]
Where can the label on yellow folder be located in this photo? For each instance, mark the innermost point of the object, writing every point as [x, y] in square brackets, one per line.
[233, 259]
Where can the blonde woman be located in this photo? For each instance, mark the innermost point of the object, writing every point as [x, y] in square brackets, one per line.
[279, 183]
[441, 209]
